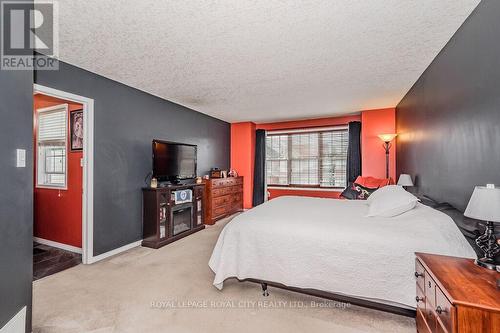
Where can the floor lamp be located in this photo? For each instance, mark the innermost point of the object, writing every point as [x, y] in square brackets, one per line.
[387, 138]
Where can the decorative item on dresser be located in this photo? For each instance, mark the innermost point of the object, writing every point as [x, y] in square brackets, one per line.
[171, 213]
[215, 173]
[224, 196]
[456, 296]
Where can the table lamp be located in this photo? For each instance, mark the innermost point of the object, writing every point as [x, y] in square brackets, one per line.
[405, 180]
[485, 205]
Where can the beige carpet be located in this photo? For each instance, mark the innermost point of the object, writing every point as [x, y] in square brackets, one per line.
[170, 290]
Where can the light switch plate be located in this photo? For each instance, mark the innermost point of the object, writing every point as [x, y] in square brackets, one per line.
[21, 158]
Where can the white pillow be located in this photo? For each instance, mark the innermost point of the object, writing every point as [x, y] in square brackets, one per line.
[390, 201]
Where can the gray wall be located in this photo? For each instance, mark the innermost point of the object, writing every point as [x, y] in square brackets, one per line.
[16, 194]
[449, 122]
[126, 121]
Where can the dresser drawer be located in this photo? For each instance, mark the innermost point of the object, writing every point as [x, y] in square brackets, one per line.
[221, 201]
[224, 182]
[217, 192]
[236, 189]
[220, 211]
[237, 206]
[430, 290]
[419, 275]
[421, 325]
[420, 299]
[444, 311]
[237, 197]
[216, 183]
[430, 301]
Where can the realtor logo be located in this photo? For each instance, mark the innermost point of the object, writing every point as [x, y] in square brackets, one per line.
[29, 35]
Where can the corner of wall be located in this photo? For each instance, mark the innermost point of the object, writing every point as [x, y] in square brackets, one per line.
[242, 156]
[373, 123]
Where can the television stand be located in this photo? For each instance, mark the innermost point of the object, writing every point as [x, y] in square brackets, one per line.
[165, 221]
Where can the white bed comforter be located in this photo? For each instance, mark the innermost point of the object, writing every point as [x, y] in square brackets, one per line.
[330, 245]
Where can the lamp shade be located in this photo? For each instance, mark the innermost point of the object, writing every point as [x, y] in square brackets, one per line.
[387, 137]
[405, 180]
[484, 204]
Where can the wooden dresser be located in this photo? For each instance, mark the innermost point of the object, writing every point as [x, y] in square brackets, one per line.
[456, 296]
[224, 196]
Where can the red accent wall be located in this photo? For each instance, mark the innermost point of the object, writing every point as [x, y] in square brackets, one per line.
[308, 123]
[242, 156]
[373, 123]
[243, 152]
[58, 213]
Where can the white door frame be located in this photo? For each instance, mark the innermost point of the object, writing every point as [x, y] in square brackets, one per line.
[88, 167]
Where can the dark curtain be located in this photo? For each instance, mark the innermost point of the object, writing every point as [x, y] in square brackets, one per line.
[259, 168]
[354, 152]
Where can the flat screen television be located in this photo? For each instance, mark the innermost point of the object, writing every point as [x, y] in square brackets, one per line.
[173, 161]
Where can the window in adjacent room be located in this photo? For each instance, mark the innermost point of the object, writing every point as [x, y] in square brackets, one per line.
[307, 158]
[51, 146]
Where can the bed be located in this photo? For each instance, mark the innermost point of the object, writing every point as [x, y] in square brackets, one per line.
[329, 245]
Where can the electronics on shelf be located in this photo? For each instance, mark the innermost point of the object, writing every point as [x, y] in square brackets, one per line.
[182, 196]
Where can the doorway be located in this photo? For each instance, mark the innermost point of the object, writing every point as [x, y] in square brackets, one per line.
[57, 197]
[63, 175]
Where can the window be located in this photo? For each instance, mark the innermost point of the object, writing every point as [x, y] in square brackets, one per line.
[51, 146]
[308, 159]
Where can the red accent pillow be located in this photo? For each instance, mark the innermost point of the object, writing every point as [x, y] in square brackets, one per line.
[372, 182]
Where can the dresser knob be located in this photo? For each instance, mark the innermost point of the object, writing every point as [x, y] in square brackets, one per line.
[440, 310]
[419, 299]
[417, 274]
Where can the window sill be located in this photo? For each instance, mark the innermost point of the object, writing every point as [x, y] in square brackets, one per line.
[317, 189]
[47, 187]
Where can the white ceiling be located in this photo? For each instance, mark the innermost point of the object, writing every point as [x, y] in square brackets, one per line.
[262, 60]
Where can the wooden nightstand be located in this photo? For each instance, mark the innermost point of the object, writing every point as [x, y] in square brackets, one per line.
[455, 296]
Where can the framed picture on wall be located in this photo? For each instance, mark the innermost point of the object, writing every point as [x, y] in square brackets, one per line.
[76, 130]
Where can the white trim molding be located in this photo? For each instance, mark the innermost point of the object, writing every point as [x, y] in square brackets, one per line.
[61, 246]
[115, 251]
[88, 166]
[17, 324]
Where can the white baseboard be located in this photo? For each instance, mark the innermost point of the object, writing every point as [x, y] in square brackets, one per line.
[114, 252]
[58, 245]
[17, 324]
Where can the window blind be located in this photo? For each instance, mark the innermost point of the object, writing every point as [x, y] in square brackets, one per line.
[333, 162]
[304, 160]
[52, 127]
[51, 146]
[277, 159]
[313, 159]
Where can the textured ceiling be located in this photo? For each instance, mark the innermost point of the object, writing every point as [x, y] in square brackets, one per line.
[262, 60]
